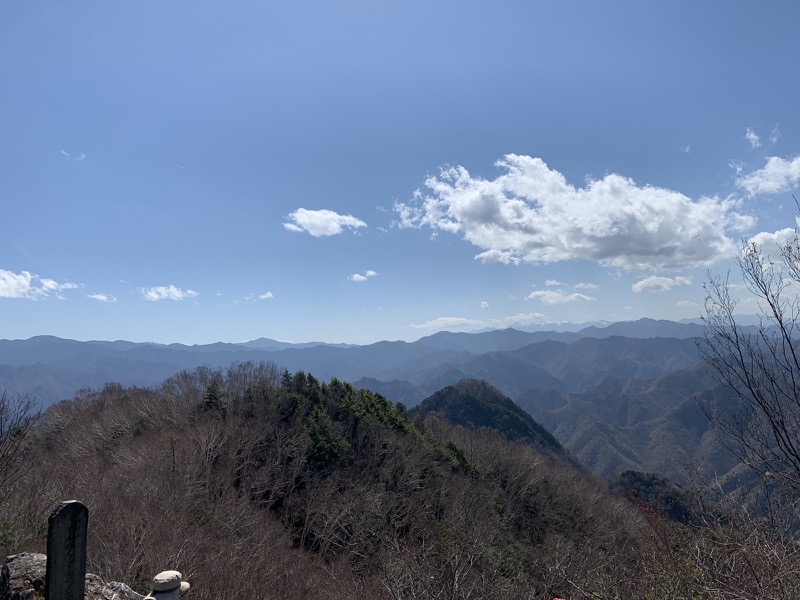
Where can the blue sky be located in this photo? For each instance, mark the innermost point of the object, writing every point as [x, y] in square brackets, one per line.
[356, 171]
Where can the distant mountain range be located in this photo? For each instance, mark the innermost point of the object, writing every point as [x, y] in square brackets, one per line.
[618, 396]
[52, 368]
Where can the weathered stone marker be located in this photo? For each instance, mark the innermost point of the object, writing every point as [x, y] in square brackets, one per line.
[67, 528]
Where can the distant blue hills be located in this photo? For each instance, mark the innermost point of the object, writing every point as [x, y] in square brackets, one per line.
[53, 369]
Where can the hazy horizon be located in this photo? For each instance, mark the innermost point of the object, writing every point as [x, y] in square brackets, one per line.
[561, 326]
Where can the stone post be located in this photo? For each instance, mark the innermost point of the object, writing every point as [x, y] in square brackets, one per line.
[65, 576]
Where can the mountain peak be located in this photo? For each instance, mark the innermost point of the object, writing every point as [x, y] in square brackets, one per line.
[479, 404]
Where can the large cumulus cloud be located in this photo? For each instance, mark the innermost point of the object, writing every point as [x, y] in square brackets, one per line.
[531, 214]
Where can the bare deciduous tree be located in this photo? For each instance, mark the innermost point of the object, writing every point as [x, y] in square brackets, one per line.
[760, 366]
[17, 418]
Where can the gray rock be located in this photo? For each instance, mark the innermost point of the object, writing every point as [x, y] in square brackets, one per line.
[22, 578]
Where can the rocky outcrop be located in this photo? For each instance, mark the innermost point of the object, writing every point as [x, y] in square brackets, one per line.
[22, 578]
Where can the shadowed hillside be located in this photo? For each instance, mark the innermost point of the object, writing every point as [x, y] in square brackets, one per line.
[652, 425]
[477, 404]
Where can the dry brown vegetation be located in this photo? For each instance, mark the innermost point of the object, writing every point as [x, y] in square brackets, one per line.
[258, 484]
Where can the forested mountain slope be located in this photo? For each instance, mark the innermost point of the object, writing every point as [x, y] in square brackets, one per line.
[475, 403]
[654, 425]
[577, 384]
[260, 483]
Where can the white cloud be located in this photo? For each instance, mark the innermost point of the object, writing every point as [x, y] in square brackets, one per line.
[778, 176]
[523, 319]
[484, 305]
[687, 149]
[775, 240]
[251, 297]
[166, 292]
[53, 286]
[558, 297]
[531, 214]
[752, 137]
[321, 223]
[552, 282]
[774, 135]
[688, 303]
[102, 297]
[586, 286]
[448, 323]
[358, 277]
[30, 286]
[659, 284]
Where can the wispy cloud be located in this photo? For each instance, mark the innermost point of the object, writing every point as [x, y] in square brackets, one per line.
[752, 137]
[688, 303]
[166, 292]
[251, 297]
[359, 277]
[521, 319]
[448, 323]
[69, 156]
[778, 175]
[531, 214]
[484, 305]
[774, 135]
[577, 286]
[558, 297]
[30, 286]
[319, 223]
[102, 297]
[659, 284]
